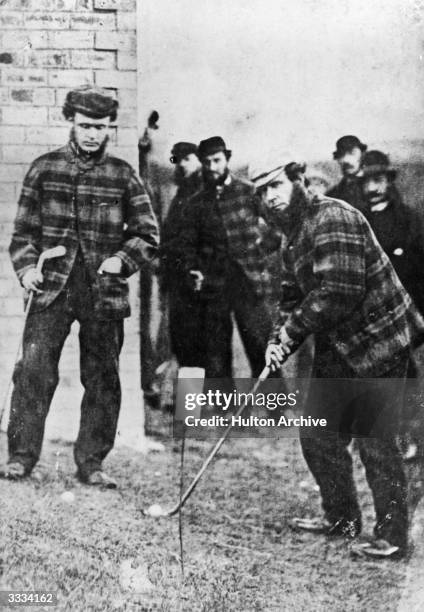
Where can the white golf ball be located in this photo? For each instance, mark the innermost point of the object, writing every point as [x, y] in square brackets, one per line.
[155, 510]
[68, 497]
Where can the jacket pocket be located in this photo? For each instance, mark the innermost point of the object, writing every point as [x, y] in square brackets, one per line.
[108, 222]
[113, 294]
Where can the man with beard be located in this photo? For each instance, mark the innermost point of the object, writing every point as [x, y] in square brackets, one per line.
[222, 246]
[397, 227]
[348, 154]
[399, 230]
[338, 284]
[183, 303]
[94, 205]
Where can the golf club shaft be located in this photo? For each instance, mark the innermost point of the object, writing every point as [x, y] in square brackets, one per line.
[54, 252]
[263, 376]
[18, 352]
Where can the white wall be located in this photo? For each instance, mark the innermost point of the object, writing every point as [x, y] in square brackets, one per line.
[283, 73]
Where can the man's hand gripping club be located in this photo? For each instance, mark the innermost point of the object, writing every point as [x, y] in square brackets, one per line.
[277, 354]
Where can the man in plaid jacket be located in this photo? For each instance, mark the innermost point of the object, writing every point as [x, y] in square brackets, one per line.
[223, 250]
[94, 205]
[338, 284]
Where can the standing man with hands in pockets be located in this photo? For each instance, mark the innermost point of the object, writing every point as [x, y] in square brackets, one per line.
[94, 205]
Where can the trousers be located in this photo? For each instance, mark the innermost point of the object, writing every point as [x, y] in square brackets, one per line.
[367, 410]
[36, 377]
[253, 315]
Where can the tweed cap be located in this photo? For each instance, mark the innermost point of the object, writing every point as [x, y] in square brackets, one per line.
[212, 145]
[347, 143]
[377, 162]
[180, 150]
[91, 101]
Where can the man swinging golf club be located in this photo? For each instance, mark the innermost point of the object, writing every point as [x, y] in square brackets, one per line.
[338, 284]
[94, 206]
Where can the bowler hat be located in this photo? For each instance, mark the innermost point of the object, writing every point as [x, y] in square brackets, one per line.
[376, 162]
[180, 150]
[91, 101]
[347, 143]
[213, 145]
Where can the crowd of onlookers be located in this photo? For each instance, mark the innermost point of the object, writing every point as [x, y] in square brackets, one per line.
[217, 262]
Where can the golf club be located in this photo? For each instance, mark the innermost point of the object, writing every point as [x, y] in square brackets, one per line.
[58, 251]
[156, 510]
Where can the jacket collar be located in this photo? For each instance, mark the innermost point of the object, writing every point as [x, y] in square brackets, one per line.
[75, 156]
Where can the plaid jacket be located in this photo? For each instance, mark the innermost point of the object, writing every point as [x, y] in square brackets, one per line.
[338, 282]
[223, 228]
[99, 206]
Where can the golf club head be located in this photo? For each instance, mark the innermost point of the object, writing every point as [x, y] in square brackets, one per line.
[58, 251]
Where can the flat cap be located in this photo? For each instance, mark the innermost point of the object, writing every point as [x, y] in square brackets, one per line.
[91, 101]
[377, 162]
[180, 150]
[266, 171]
[212, 145]
[347, 143]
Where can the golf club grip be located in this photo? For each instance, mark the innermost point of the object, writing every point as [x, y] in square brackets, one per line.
[263, 376]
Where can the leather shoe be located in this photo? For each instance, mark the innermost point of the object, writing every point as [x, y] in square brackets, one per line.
[376, 549]
[13, 471]
[343, 527]
[101, 479]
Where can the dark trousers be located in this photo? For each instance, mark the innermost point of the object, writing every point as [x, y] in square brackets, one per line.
[369, 411]
[154, 341]
[185, 326]
[253, 318]
[36, 378]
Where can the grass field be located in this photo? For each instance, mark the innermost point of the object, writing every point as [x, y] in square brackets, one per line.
[239, 553]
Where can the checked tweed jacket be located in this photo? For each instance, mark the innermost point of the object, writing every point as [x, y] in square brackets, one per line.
[225, 226]
[98, 206]
[338, 282]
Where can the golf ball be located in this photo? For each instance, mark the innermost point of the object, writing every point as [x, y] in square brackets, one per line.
[155, 510]
[68, 497]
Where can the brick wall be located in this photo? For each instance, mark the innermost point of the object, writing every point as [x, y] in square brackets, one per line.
[46, 48]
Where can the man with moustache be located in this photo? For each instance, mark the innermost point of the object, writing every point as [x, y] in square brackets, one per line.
[184, 313]
[93, 204]
[397, 227]
[348, 154]
[338, 284]
[399, 230]
[223, 249]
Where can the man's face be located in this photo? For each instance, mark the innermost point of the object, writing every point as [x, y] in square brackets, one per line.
[188, 165]
[375, 188]
[215, 166]
[90, 133]
[277, 194]
[350, 161]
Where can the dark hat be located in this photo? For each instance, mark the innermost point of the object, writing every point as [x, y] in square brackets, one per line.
[376, 162]
[91, 101]
[347, 143]
[180, 150]
[213, 145]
